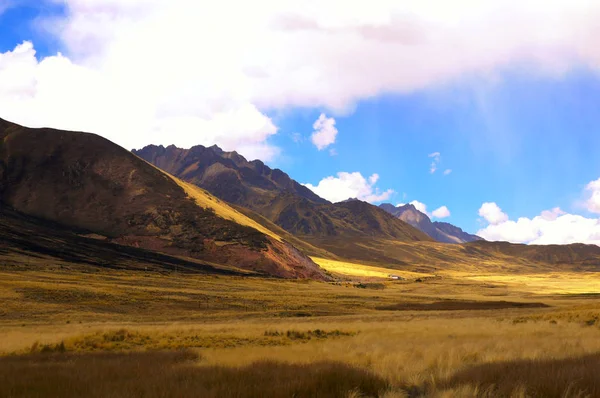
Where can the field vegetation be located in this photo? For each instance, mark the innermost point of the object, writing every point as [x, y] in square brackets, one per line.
[124, 333]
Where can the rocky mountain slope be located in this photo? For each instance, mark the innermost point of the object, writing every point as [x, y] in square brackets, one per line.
[85, 182]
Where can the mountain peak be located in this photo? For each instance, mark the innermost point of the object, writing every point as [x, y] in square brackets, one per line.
[216, 148]
[350, 200]
[440, 231]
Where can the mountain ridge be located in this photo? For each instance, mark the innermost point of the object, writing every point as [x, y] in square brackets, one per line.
[274, 195]
[440, 231]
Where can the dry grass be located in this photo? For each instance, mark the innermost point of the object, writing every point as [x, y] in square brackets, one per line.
[354, 269]
[559, 378]
[234, 322]
[548, 283]
[205, 200]
[172, 375]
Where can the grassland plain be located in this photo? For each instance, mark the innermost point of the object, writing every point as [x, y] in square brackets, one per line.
[245, 330]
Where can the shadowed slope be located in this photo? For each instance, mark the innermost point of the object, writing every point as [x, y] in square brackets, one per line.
[84, 181]
[27, 242]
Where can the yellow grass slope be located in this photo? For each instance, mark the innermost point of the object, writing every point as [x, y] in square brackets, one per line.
[353, 269]
[222, 209]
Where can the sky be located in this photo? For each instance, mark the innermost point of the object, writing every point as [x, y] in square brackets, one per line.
[484, 114]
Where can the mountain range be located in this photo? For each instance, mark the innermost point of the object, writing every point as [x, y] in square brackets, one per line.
[273, 194]
[292, 206]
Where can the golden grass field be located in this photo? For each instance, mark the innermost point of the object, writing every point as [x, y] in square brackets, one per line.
[334, 339]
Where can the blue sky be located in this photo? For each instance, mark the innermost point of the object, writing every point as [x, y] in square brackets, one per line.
[513, 111]
[525, 143]
[21, 21]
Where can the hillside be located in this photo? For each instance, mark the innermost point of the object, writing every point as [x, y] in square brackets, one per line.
[85, 182]
[440, 231]
[274, 195]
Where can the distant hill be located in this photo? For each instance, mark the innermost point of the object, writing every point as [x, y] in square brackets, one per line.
[274, 195]
[85, 182]
[440, 231]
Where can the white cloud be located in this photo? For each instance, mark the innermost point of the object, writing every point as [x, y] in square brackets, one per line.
[551, 227]
[56, 92]
[492, 213]
[324, 133]
[350, 185]
[436, 160]
[593, 202]
[333, 152]
[151, 71]
[447, 171]
[441, 212]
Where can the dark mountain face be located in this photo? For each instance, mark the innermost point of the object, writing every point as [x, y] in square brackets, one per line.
[273, 194]
[83, 181]
[440, 231]
[227, 175]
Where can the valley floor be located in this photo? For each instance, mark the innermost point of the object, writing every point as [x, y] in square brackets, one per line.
[136, 333]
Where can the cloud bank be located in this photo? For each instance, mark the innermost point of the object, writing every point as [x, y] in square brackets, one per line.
[551, 227]
[184, 73]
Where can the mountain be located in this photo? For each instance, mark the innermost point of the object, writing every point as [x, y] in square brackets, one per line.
[86, 183]
[274, 195]
[440, 231]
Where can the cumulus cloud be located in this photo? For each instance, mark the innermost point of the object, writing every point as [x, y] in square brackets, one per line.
[150, 71]
[350, 185]
[593, 201]
[324, 133]
[551, 227]
[58, 93]
[441, 212]
[492, 213]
